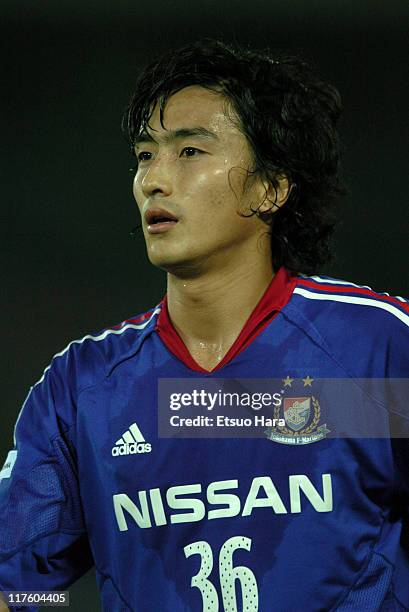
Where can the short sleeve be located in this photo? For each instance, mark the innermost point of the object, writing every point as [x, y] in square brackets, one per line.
[43, 540]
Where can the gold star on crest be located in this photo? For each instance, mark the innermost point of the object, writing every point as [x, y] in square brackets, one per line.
[287, 381]
[307, 381]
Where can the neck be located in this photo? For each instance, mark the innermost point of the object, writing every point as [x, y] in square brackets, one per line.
[209, 310]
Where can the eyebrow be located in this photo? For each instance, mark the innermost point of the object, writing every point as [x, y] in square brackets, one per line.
[172, 135]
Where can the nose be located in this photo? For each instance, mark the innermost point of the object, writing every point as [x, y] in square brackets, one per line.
[157, 179]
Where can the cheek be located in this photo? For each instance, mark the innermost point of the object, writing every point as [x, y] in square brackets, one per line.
[208, 200]
[210, 186]
[137, 192]
[226, 179]
[212, 208]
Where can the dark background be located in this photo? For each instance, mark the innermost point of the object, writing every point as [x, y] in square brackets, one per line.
[69, 266]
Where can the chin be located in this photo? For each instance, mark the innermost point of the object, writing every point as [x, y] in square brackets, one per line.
[165, 260]
[179, 266]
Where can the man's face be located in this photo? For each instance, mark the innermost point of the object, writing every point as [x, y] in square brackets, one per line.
[196, 169]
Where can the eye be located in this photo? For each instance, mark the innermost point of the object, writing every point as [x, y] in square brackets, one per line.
[143, 156]
[190, 152]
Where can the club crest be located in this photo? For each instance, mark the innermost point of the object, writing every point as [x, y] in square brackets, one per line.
[302, 415]
[297, 411]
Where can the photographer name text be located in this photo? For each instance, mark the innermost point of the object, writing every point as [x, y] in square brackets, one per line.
[224, 421]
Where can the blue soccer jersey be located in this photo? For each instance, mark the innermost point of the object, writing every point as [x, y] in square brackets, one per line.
[208, 524]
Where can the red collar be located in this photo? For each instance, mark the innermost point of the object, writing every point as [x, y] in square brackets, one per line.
[274, 299]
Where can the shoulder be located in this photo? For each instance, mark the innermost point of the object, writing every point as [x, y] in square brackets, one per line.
[85, 361]
[350, 301]
[355, 320]
[50, 406]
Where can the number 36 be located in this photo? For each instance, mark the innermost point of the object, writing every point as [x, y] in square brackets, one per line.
[228, 575]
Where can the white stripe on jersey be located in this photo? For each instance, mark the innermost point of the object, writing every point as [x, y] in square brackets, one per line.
[352, 299]
[334, 281]
[19, 415]
[102, 336]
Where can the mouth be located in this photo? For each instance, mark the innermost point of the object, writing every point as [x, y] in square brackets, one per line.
[159, 220]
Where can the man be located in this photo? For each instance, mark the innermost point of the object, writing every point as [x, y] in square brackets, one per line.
[237, 174]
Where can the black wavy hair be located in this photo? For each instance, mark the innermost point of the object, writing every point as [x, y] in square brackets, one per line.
[288, 115]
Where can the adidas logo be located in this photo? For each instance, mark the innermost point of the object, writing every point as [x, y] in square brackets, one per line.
[131, 443]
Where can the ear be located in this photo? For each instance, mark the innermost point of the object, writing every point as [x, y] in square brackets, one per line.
[275, 195]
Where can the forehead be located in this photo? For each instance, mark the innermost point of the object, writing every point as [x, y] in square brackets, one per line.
[198, 107]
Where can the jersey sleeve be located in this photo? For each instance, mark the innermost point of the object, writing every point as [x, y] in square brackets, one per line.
[43, 540]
